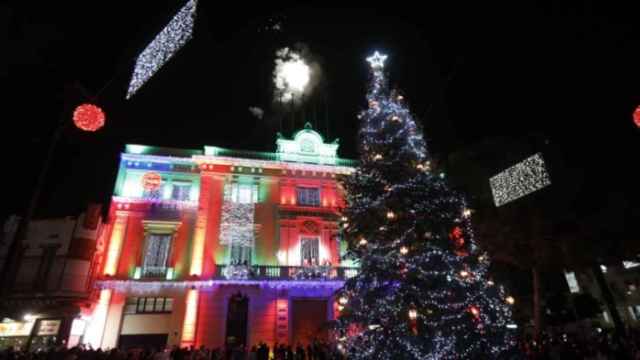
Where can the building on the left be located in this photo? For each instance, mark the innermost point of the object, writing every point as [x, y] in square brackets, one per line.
[50, 301]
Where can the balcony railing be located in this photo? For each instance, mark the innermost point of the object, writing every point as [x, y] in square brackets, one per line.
[275, 272]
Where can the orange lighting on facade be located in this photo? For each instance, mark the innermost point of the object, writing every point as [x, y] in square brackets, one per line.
[115, 245]
[197, 256]
[190, 319]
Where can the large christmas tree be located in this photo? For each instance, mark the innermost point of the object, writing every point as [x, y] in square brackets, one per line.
[423, 290]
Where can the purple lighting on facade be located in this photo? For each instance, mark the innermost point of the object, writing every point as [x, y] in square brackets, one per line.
[151, 286]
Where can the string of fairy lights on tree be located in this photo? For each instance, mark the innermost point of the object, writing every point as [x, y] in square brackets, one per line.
[423, 290]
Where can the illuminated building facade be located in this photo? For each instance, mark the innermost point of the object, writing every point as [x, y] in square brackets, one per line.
[222, 246]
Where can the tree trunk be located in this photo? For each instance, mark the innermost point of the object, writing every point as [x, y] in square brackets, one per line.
[608, 298]
[537, 319]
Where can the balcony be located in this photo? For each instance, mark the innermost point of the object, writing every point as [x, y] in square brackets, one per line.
[280, 273]
[271, 276]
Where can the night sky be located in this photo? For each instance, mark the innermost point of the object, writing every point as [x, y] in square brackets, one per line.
[570, 73]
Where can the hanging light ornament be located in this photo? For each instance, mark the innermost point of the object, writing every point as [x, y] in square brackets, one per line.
[474, 311]
[88, 117]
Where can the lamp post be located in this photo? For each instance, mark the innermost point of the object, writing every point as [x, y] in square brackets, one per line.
[14, 253]
[9, 267]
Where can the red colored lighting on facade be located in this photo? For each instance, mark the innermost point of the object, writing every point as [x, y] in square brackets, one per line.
[88, 117]
[636, 116]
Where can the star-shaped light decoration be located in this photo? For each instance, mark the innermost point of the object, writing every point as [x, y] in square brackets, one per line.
[377, 60]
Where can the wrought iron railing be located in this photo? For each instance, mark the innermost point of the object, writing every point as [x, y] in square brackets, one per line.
[276, 272]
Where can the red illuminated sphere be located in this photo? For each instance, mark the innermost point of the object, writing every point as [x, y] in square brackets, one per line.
[88, 117]
[151, 181]
[636, 116]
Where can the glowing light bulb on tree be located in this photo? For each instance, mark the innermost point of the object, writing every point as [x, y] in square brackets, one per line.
[404, 250]
[510, 300]
[343, 300]
[363, 242]
[390, 215]
[474, 311]
[413, 314]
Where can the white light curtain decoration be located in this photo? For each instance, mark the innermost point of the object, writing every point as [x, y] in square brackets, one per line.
[519, 180]
[237, 272]
[237, 224]
[162, 48]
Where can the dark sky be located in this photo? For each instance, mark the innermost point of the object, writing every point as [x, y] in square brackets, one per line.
[570, 72]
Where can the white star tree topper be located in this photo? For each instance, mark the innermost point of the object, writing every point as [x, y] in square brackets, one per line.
[377, 60]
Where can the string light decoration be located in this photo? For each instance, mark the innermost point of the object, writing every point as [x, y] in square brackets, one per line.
[237, 272]
[519, 180]
[163, 47]
[88, 117]
[146, 287]
[433, 303]
[237, 224]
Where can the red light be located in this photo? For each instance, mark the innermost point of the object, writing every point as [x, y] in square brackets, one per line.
[474, 311]
[88, 117]
[151, 181]
[636, 116]
[456, 237]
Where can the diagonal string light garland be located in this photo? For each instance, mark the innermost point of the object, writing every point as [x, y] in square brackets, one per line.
[163, 47]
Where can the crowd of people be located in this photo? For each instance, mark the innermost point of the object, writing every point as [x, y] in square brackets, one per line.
[315, 351]
[601, 346]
